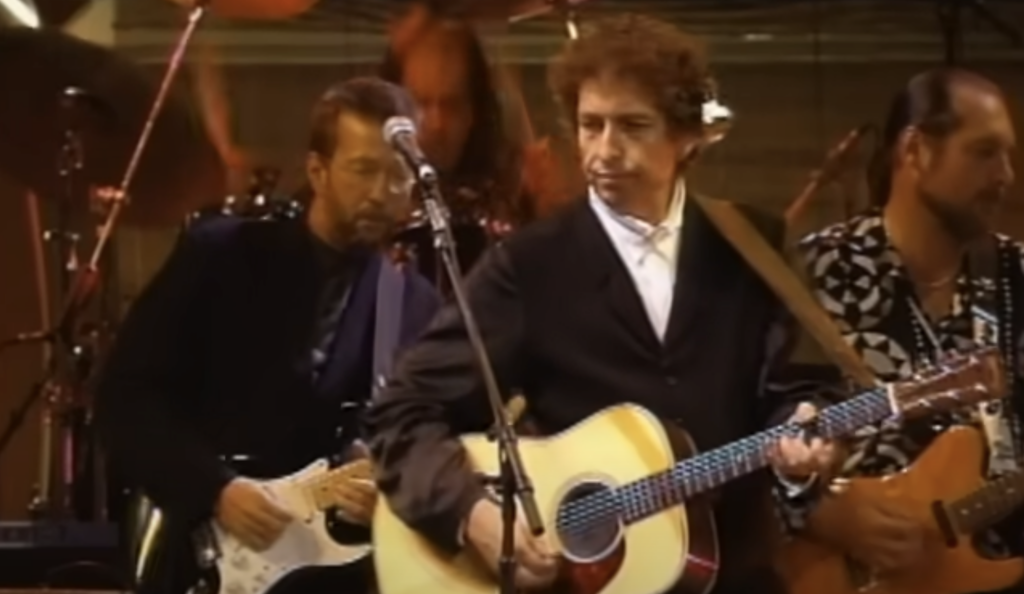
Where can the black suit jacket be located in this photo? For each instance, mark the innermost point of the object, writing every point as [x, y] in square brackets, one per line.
[214, 359]
[563, 322]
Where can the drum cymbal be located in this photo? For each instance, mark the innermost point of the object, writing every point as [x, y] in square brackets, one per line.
[514, 10]
[50, 13]
[57, 13]
[255, 9]
[179, 169]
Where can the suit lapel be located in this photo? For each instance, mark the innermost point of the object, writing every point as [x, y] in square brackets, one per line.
[612, 279]
[352, 332]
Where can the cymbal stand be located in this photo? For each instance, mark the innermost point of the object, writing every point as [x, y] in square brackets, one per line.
[86, 280]
[62, 386]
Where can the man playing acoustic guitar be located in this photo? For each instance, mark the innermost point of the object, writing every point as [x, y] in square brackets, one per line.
[630, 295]
[921, 275]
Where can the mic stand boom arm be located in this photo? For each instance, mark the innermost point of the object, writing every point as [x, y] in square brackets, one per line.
[950, 13]
[998, 23]
[515, 484]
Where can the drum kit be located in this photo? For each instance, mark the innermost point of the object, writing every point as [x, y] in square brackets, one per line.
[91, 136]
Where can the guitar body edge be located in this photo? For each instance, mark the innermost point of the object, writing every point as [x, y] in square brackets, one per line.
[305, 544]
[616, 446]
[949, 469]
[702, 561]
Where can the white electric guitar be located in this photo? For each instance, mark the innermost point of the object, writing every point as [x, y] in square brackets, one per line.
[314, 541]
[306, 543]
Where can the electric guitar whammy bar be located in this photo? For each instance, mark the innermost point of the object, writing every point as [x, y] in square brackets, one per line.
[622, 513]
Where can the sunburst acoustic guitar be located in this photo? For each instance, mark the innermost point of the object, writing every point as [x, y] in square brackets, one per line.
[946, 491]
[620, 509]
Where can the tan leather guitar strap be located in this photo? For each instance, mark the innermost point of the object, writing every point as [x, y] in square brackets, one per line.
[787, 286]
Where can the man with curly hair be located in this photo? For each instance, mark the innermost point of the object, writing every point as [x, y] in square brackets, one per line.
[629, 295]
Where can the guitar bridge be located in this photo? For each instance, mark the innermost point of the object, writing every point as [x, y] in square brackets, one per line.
[945, 523]
[204, 543]
[862, 577]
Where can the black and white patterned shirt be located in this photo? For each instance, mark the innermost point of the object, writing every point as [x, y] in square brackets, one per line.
[859, 279]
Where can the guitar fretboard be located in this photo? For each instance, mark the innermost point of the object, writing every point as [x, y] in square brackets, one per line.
[989, 504]
[645, 497]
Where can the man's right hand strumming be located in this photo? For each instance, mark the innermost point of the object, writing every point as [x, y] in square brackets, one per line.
[536, 563]
[874, 531]
[248, 514]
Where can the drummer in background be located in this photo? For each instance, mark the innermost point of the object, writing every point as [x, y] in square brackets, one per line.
[491, 171]
[487, 166]
[211, 96]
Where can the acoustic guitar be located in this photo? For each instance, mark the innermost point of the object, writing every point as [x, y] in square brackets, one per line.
[618, 508]
[945, 490]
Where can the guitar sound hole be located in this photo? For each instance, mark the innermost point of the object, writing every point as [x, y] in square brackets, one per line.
[590, 531]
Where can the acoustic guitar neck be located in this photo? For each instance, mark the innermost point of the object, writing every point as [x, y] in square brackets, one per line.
[648, 496]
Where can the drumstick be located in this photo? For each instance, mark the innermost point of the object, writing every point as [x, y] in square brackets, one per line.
[36, 241]
[836, 159]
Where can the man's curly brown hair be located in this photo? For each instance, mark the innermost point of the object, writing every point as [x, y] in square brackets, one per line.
[667, 63]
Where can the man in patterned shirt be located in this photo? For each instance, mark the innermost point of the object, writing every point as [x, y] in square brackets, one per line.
[905, 283]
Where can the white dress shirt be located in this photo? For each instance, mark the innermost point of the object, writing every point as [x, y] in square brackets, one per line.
[649, 252]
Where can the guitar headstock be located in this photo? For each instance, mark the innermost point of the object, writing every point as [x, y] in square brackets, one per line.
[960, 380]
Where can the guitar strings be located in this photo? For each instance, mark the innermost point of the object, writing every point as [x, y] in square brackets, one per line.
[638, 499]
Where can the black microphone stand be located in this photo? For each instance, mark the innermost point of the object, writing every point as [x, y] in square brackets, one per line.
[514, 484]
[950, 14]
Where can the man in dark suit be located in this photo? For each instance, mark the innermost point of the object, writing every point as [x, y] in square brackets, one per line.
[631, 294]
[262, 339]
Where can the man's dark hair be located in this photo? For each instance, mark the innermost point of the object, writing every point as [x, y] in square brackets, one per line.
[925, 104]
[668, 64]
[490, 157]
[367, 97]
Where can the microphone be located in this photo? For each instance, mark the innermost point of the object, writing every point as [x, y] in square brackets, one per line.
[400, 134]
